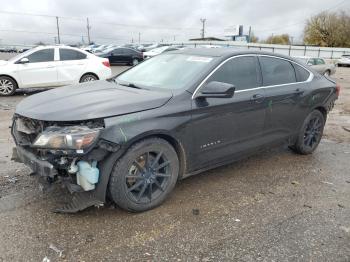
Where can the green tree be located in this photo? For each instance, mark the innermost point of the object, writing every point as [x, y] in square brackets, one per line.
[328, 29]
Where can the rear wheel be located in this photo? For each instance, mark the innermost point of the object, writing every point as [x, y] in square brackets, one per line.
[7, 86]
[135, 61]
[88, 78]
[144, 177]
[327, 73]
[310, 134]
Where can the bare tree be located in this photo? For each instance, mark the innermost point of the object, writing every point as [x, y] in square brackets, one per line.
[278, 39]
[328, 29]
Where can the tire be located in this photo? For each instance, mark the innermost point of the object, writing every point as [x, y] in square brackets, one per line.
[310, 134]
[7, 86]
[136, 186]
[135, 62]
[327, 73]
[88, 78]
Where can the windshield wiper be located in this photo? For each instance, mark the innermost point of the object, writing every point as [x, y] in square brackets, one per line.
[132, 85]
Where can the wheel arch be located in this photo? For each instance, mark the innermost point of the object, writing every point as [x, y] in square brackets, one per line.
[175, 143]
[14, 79]
[323, 110]
[107, 164]
[89, 73]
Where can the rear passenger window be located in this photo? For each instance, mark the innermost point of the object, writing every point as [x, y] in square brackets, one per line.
[69, 54]
[240, 72]
[301, 73]
[276, 71]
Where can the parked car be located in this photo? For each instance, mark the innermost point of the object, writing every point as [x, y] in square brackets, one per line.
[344, 61]
[159, 50]
[122, 55]
[319, 65]
[170, 117]
[49, 66]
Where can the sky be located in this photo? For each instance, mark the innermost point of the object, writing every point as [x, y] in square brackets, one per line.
[27, 22]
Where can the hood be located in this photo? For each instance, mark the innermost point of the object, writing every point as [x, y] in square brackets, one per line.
[3, 62]
[99, 99]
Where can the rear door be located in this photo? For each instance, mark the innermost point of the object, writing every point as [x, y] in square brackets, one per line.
[71, 66]
[41, 71]
[284, 93]
[116, 56]
[224, 127]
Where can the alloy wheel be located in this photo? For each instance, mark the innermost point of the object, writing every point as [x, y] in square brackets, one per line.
[89, 79]
[313, 132]
[135, 62]
[148, 177]
[6, 87]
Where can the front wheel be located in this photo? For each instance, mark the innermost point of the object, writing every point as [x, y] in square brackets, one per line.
[7, 86]
[327, 73]
[144, 177]
[310, 134]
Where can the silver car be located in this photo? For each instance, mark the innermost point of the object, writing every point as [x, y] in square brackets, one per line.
[318, 64]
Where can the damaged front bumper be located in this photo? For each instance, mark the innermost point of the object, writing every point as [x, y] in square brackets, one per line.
[78, 172]
[38, 166]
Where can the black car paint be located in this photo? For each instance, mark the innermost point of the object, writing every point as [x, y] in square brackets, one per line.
[205, 132]
[90, 101]
[122, 56]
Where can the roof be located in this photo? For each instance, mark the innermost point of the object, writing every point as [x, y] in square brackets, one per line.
[225, 52]
[207, 39]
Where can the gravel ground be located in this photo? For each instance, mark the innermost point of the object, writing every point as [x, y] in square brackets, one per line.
[275, 206]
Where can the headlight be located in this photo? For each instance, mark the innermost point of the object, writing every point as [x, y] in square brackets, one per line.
[71, 137]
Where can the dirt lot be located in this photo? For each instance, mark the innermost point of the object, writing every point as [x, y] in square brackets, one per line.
[275, 206]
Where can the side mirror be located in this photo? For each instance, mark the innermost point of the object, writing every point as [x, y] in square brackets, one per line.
[310, 63]
[216, 89]
[24, 60]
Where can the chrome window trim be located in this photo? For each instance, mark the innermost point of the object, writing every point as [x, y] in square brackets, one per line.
[311, 75]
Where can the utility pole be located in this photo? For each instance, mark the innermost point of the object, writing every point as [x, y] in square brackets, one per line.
[88, 29]
[139, 37]
[203, 20]
[250, 34]
[291, 40]
[58, 31]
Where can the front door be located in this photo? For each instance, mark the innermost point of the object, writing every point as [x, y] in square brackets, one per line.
[227, 127]
[41, 69]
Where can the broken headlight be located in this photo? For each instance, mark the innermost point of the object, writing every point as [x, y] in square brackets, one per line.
[67, 138]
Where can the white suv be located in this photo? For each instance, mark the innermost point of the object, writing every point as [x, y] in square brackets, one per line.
[50, 66]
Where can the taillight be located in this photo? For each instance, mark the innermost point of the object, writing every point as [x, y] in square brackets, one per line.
[106, 63]
[337, 89]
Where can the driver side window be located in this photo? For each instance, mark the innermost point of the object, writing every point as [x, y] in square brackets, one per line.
[45, 55]
[240, 72]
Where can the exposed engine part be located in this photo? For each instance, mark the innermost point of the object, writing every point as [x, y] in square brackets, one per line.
[73, 168]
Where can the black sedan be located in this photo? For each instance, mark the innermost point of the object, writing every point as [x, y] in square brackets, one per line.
[172, 116]
[122, 55]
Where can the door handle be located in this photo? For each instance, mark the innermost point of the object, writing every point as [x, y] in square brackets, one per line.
[298, 91]
[50, 66]
[257, 98]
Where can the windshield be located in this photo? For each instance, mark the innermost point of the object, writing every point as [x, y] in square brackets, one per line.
[302, 59]
[168, 71]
